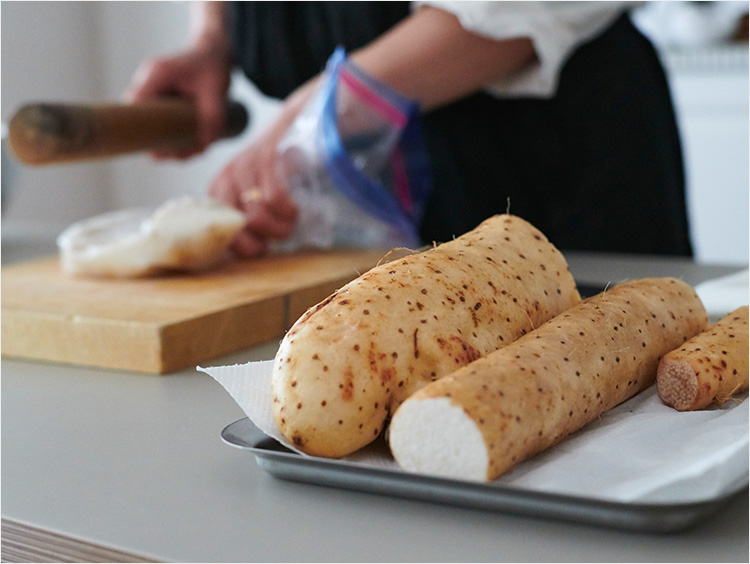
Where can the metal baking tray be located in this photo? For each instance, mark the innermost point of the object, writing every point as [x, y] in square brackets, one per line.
[282, 463]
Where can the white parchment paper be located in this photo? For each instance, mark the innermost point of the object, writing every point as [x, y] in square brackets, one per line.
[723, 295]
[640, 451]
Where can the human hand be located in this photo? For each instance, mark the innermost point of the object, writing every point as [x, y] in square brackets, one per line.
[200, 74]
[250, 183]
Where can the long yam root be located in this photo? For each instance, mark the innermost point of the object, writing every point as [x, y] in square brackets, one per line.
[709, 368]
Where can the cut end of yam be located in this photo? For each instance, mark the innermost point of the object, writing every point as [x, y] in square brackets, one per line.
[433, 436]
[677, 383]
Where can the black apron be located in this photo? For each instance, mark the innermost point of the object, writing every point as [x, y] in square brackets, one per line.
[597, 168]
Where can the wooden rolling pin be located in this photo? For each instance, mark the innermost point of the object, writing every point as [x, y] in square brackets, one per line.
[43, 133]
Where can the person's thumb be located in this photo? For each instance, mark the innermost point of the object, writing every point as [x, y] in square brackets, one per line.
[211, 109]
[150, 79]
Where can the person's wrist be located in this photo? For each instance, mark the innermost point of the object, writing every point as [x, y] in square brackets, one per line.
[299, 98]
[214, 44]
[208, 28]
[292, 107]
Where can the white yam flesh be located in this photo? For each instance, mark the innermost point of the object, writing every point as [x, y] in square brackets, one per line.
[184, 234]
[551, 382]
[348, 362]
[452, 446]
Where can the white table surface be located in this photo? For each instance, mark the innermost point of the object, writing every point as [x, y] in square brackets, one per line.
[134, 462]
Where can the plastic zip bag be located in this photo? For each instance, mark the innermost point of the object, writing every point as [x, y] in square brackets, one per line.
[355, 164]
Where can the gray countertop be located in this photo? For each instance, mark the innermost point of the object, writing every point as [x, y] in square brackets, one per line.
[135, 463]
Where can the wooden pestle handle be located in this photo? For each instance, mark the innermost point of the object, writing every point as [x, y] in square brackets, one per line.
[41, 134]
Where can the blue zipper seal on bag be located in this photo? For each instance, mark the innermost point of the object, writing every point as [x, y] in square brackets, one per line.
[358, 188]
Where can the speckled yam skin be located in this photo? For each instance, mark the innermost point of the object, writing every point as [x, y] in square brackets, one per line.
[349, 361]
[551, 382]
[710, 367]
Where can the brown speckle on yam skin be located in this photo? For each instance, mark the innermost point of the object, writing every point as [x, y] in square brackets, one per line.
[710, 367]
[566, 374]
[428, 314]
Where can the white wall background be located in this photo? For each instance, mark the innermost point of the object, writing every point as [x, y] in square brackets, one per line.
[88, 51]
[710, 92]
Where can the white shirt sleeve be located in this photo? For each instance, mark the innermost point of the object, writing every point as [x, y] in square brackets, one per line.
[556, 29]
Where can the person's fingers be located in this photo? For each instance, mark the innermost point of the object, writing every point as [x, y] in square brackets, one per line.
[268, 204]
[194, 76]
[282, 205]
[159, 77]
[221, 189]
[264, 223]
[245, 184]
[247, 245]
[211, 109]
[152, 78]
[276, 195]
[173, 154]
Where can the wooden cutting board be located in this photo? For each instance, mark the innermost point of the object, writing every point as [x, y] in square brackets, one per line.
[160, 324]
